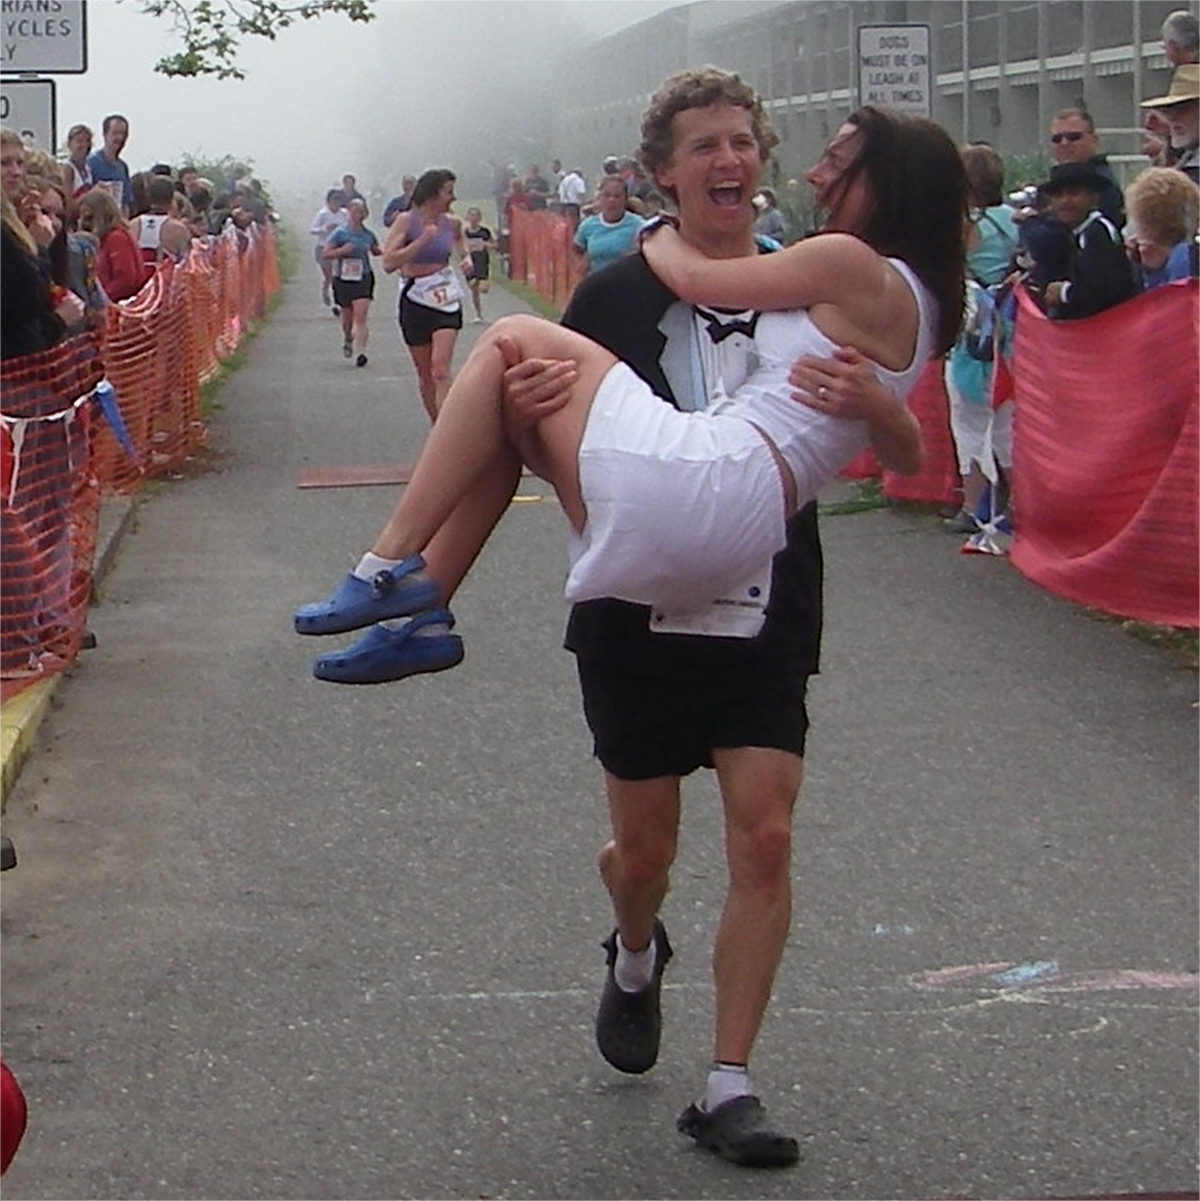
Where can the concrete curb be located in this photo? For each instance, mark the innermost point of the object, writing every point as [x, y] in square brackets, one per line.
[21, 717]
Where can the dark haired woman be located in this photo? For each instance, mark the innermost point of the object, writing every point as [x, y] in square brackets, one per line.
[421, 244]
[666, 507]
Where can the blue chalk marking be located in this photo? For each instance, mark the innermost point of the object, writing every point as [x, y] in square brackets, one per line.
[1026, 973]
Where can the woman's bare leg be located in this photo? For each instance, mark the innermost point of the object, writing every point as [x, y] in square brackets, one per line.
[469, 468]
[361, 308]
[441, 356]
[422, 357]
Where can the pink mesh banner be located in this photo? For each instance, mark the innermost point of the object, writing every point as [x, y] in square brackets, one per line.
[1105, 455]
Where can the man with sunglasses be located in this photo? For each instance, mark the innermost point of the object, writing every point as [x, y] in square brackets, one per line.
[1073, 140]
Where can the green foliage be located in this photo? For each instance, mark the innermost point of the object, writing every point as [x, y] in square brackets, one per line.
[210, 29]
[222, 170]
[1021, 169]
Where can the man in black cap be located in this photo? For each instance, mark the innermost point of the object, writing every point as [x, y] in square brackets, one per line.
[1098, 272]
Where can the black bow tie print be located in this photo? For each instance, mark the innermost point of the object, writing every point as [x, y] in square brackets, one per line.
[719, 330]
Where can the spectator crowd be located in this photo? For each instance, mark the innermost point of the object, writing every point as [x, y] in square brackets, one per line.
[85, 230]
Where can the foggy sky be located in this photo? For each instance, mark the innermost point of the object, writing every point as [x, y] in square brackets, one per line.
[329, 96]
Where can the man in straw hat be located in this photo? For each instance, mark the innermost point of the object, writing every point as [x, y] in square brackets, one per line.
[1181, 108]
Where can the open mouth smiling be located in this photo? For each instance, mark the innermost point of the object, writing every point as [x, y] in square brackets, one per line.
[726, 195]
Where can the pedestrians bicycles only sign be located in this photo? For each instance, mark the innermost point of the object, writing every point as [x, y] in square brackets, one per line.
[43, 37]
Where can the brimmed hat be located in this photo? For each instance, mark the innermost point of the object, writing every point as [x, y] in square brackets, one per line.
[1185, 86]
[1073, 175]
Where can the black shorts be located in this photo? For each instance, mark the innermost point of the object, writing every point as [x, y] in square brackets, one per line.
[481, 266]
[418, 321]
[644, 727]
[347, 290]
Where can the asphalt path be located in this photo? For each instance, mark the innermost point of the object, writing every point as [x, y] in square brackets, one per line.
[281, 939]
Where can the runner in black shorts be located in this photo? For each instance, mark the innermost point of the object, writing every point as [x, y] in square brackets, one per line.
[350, 248]
[421, 243]
[480, 243]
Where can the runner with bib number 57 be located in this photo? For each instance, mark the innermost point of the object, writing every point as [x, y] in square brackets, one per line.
[421, 244]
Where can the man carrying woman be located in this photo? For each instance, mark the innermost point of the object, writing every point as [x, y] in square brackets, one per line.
[888, 282]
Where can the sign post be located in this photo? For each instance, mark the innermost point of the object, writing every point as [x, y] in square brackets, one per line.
[893, 67]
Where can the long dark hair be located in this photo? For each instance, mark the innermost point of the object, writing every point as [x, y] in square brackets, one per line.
[430, 184]
[919, 207]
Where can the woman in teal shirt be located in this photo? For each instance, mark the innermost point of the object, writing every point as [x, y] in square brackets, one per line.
[612, 232]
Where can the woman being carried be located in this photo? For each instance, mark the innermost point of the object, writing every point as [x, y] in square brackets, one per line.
[886, 278]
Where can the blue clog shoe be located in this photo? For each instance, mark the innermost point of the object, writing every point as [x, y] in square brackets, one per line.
[381, 655]
[356, 603]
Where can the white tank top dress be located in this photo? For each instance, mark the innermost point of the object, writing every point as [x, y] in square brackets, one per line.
[682, 508]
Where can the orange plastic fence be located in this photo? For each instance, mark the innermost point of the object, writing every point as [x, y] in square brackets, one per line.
[539, 254]
[49, 505]
[66, 441]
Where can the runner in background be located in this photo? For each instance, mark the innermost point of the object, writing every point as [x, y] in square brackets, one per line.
[330, 216]
[480, 244]
[349, 250]
[420, 244]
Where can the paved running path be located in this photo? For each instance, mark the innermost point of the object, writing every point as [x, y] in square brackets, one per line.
[270, 938]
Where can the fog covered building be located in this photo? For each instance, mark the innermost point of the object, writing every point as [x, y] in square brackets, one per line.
[999, 69]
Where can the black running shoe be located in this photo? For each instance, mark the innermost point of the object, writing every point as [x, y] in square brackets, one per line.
[629, 1024]
[738, 1130]
[361, 361]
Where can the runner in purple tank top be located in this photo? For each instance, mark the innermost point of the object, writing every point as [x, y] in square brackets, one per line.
[421, 245]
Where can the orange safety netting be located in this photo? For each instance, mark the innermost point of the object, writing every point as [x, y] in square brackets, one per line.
[103, 412]
[1105, 455]
[168, 340]
[539, 254]
[49, 505]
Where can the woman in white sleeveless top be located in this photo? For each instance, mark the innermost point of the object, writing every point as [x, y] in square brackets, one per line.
[666, 507]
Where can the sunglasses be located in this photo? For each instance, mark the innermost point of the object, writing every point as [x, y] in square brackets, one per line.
[1074, 135]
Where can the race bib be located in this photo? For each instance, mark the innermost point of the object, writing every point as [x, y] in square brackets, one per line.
[437, 291]
[739, 615]
[352, 270]
[114, 187]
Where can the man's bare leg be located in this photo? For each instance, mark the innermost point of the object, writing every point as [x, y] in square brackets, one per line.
[759, 786]
[635, 867]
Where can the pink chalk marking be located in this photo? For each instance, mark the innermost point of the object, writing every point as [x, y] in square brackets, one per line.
[1106, 981]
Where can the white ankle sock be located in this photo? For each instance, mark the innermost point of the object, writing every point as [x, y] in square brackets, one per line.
[726, 1081]
[430, 630]
[634, 969]
[370, 565]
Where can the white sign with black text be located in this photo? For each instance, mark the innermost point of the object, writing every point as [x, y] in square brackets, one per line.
[894, 67]
[43, 37]
[27, 108]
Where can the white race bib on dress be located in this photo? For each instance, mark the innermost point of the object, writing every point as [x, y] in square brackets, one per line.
[739, 615]
[437, 291]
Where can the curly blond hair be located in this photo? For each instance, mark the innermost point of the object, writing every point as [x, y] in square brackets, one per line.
[698, 89]
[1163, 205]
